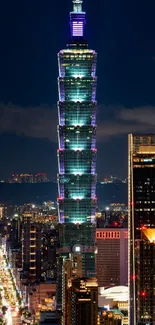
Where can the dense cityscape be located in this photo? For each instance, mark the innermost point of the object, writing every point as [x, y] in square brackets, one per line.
[77, 249]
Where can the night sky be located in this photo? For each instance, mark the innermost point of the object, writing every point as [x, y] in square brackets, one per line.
[31, 34]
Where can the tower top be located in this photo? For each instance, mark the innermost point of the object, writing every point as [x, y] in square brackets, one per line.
[77, 20]
[77, 5]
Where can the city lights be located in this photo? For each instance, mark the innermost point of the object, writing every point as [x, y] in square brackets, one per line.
[77, 197]
[9, 292]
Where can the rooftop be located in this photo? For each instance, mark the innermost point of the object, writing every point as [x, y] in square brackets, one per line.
[118, 293]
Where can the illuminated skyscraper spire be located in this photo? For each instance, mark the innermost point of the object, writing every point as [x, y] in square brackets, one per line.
[77, 5]
[77, 19]
[77, 125]
[77, 147]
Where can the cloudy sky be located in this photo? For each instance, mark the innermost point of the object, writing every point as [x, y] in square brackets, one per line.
[31, 34]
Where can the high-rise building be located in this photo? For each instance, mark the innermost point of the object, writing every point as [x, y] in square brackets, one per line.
[72, 269]
[141, 205]
[75, 239]
[79, 239]
[77, 144]
[112, 256]
[146, 277]
[13, 229]
[77, 125]
[31, 249]
[50, 243]
[82, 302]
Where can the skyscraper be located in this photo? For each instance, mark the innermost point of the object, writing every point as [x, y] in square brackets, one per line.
[77, 147]
[146, 278]
[112, 256]
[141, 209]
[77, 125]
[31, 249]
[82, 302]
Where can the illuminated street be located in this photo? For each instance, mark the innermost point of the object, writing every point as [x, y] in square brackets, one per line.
[9, 306]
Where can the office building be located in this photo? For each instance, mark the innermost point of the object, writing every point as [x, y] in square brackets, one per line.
[31, 249]
[50, 242]
[79, 239]
[38, 275]
[112, 256]
[72, 269]
[14, 229]
[77, 144]
[141, 205]
[77, 125]
[75, 239]
[146, 277]
[82, 302]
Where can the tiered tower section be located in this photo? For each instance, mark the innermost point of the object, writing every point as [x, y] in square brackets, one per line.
[77, 125]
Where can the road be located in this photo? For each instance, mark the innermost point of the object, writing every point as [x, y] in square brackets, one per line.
[8, 296]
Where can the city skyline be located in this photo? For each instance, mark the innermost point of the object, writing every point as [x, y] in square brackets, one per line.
[85, 256]
[28, 80]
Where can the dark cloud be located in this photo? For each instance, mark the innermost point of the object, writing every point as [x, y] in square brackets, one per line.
[124, 121]
[41, 121]
[35, 122]
[143, 115]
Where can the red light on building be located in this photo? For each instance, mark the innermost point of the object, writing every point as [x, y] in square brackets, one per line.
[143, 294]
[95, 150]
[60, 198]
[143, 227]
[133, 277]
[131, 203]
[115, 223]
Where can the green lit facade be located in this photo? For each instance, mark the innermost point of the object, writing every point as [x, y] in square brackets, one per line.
[77, 149]
[77, 125]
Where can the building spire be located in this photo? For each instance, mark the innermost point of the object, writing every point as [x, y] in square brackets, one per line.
[77, 5]
[77, 19]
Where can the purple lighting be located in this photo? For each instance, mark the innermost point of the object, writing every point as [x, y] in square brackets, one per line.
[77, 28]
[77, 23]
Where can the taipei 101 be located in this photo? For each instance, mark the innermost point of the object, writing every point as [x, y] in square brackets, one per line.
[77, 167]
